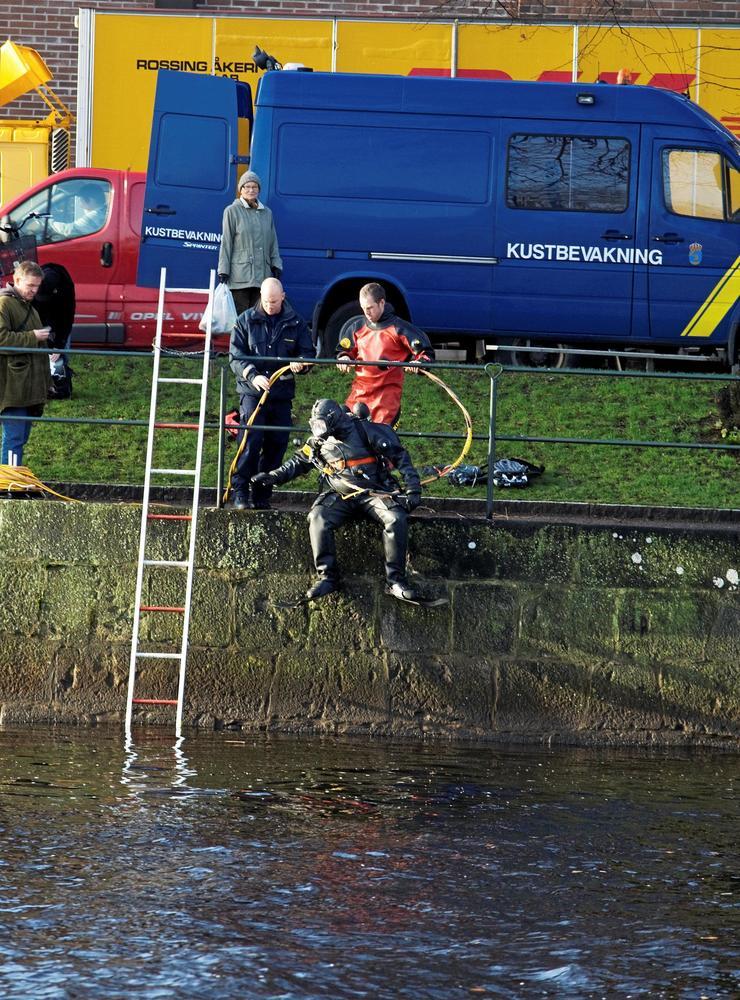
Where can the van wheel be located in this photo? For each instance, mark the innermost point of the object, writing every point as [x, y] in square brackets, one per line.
[541, 359]
[330, 334]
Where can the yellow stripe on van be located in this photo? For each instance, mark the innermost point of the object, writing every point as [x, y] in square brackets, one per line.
[716, 305]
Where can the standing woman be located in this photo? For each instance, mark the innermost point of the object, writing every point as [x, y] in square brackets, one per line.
[24, 377]
[249, 246]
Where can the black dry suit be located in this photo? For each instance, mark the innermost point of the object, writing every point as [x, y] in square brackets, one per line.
[355, 457]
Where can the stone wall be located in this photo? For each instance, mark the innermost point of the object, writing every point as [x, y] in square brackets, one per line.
[599, 629]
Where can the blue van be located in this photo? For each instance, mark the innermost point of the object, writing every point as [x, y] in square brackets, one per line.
[534, 213]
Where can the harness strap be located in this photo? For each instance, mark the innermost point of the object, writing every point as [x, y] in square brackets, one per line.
[349, 464]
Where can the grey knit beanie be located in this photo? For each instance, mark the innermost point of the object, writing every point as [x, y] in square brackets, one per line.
[248, 176]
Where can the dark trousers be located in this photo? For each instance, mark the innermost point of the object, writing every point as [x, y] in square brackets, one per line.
[245, 298]
[264, 450]
[330, 512]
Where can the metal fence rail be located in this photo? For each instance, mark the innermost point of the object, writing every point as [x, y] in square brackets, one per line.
[493, 371]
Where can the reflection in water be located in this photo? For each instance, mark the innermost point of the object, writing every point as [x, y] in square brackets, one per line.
[262, 867]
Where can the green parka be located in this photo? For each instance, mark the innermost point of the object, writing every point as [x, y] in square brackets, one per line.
[249, 246]
[24, 378]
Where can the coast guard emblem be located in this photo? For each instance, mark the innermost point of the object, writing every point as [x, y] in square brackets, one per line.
[695, 253]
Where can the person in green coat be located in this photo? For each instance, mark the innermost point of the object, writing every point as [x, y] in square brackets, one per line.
[24, 377]
[249, 247]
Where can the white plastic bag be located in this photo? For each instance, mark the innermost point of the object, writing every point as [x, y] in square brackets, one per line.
[224, 311]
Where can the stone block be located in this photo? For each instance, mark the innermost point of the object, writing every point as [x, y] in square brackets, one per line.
[702, 698]
[229, 685]
[450, 549]
[723, 641]
[537, 552]
[409, 628]
[301, 690]
[664, 627]
[346, 621]
[649, 557]
[625, 697]
[25, 668]
[114, 607]
[485, 619]
[358, 695]
[453, 693]
[543, 697]
[260, 626]
[91, 677]
[567, 622]
[22, 588]
[259, 542]
[70, 601]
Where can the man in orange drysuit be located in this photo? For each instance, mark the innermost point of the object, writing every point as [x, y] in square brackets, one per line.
[381, 336]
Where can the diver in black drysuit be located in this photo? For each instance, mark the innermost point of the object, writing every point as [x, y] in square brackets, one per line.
[354, 456]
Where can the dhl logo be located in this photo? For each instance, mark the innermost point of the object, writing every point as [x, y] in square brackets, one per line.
[677, 82]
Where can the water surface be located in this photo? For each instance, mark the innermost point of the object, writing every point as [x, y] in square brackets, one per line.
[297, 868]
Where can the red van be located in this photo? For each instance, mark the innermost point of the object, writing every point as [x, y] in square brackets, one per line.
[89, 220]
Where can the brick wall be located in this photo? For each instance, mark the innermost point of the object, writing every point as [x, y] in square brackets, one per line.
[49, 25]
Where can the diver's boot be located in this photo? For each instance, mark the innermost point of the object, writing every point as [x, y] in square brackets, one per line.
[402, 590]
[323, 586]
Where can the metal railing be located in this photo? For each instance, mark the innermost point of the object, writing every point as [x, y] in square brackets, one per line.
[492, 370]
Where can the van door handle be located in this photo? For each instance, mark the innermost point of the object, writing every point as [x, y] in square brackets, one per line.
[160, 210]
[668, 238]
[106, 255]
[613, 234]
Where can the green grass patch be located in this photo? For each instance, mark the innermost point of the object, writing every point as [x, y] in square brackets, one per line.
[529, 405]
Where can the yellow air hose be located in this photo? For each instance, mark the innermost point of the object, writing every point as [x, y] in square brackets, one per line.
[232, 468]
[441, 473]
[20, 479]
[447, 469]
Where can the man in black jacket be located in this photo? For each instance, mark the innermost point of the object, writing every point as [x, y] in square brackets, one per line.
[354, 457]
[271, 329]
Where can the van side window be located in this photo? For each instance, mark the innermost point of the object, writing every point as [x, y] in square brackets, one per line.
[700, 183]
[65, 211]
[566, 173]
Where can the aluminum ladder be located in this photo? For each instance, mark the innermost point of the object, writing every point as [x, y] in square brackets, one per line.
[185, 564]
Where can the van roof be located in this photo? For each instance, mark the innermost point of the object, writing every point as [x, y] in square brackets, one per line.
[482, 98]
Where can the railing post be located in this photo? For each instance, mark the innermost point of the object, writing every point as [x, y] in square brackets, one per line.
[493, 371]
[221, 438]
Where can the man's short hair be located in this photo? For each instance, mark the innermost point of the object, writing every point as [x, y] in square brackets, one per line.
[373, 291]
[28, 269]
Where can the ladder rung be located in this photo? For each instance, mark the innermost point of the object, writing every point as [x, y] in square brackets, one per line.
[154, 701]
[160, 656]
[178, 427]
[169, 517]
[165, 562]
[159, 607]
[175, 472]
[182, 381]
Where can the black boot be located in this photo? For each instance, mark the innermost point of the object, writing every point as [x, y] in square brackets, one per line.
[323, 586]
[242, 502]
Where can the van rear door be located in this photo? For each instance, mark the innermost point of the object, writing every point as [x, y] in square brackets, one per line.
[193, 161]
[566, 228]
[695, 228]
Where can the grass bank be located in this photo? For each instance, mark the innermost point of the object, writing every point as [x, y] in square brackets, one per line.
[529, 405]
